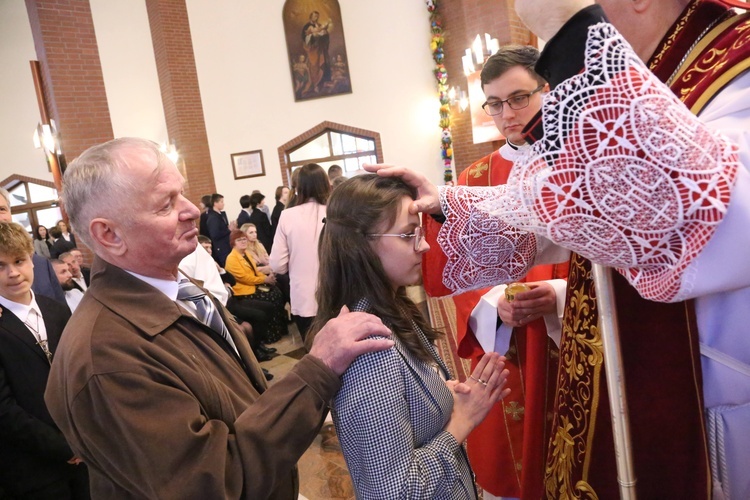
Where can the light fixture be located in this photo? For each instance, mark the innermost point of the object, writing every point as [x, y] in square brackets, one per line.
[170, 150]
[45, 137]
[478, 52]
[458, 96]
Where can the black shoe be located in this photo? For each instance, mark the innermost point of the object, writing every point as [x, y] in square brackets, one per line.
[264, 348]
[269, 376]
[262, 356]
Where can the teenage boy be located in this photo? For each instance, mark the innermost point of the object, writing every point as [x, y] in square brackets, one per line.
[35, 459]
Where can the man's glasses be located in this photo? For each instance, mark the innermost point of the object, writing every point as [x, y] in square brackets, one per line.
[417, 235]
[516, 102]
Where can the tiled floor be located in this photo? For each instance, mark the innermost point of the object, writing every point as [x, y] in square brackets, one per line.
[322, 471]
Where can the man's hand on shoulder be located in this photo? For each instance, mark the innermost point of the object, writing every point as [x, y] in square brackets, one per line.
[344, 338]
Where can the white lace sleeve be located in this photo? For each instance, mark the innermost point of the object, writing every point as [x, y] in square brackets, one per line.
[482, 250]
[625, 175]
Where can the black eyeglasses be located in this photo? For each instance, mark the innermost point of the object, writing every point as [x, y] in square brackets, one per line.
[516, 102]
[418, 236]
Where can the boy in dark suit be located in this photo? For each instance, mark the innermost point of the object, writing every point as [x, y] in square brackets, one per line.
[35, 460]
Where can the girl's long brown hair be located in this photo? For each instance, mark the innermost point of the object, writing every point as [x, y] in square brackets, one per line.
[351, 270]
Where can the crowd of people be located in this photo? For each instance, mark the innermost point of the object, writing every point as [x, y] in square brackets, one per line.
[152, 388]
[271, 253]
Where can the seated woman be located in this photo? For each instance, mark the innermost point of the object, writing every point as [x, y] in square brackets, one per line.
[254, 322]
[399, 417]
[258, 252]
[254, 288]
[255, 248]
[42, 243]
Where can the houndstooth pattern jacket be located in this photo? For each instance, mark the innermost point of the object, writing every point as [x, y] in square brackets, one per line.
[389, 416]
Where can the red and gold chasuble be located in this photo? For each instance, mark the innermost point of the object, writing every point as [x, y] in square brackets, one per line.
[659, 341]
[507, 450]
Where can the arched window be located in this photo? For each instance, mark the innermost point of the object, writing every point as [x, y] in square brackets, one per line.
[331, 144]
[33, 202]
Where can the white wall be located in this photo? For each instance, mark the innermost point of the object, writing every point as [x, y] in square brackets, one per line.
[129, 69]
[246, 88]
[19, 112]
[247, 93]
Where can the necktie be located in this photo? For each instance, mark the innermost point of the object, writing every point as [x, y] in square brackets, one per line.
[205, 310]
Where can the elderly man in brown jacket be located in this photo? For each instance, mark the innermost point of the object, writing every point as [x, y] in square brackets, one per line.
[153, 384]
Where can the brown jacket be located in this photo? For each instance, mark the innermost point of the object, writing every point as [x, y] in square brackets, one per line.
[157, 409]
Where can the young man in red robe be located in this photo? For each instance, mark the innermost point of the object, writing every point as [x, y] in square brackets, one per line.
[508, 449]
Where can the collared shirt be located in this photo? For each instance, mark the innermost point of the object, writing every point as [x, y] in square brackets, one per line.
[81, 283]
[200, 266]
[512, 152]
[22, 312]
[168, 288]
[73, 298]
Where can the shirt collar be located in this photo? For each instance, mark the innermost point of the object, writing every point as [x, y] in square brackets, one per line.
[512, 152]
[21, 310]
[167, 287]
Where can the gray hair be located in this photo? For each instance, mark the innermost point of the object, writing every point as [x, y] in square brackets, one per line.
[96, 185]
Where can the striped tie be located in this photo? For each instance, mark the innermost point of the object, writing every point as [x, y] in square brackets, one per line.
[205, 310]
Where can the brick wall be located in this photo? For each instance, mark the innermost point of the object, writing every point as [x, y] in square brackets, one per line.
[178, 79]
[66, 48]
[463, 20]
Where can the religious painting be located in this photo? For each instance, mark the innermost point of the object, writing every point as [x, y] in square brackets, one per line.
[483, 128]
[317, 52]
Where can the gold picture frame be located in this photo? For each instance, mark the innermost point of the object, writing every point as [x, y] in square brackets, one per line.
[248, 164]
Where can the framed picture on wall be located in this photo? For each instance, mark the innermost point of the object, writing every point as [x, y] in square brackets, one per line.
[248, 164]
[317, 52]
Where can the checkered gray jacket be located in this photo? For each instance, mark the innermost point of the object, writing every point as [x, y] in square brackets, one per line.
[389, 417]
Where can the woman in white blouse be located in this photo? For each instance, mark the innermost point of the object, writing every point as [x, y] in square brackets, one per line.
[295, 245]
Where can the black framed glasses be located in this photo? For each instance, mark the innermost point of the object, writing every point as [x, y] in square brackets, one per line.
[417, 235]
[516, 102]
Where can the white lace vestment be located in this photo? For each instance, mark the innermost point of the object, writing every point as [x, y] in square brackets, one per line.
[626, 177]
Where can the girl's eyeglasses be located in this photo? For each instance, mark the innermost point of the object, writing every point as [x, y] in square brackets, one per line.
[417, 235]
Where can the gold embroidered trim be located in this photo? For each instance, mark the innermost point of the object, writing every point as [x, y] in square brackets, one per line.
[719, 83]
[514, 406]
[702, 44]
[477, 170]
[581, 360]
[670, 40]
